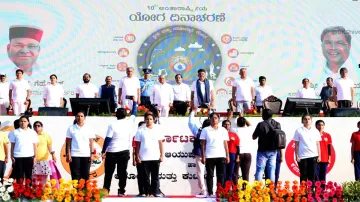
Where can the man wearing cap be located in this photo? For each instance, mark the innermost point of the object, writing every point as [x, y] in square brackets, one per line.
[146, 85]
[19, 93]
[4, 94]
[24, 48]
[129, 88]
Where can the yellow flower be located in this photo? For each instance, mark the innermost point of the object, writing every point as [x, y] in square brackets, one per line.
[59, 198]
[53, 182]
[61, 181]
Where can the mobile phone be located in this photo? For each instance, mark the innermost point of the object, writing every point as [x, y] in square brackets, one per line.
[129, 97]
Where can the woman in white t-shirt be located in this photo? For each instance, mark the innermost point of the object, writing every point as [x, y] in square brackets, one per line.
[80, 148]
[24, 142]
[214, 151]
[150, 153]
[244, 131]
[307, 149]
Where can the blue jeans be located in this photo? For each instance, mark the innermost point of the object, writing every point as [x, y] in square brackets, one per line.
[277, 170]
[229, 171]
[267, 158]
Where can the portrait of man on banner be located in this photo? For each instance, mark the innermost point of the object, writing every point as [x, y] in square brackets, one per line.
[24, 48]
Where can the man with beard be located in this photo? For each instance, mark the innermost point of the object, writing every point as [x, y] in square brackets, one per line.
[108, 91]
[87, 89]
[24, 47]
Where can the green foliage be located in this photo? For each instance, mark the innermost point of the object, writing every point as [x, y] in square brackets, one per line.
[101, 114]
[351, 191]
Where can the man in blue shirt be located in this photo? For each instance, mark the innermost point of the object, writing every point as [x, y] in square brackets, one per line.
[146, 85]
[108, 91]
[327, 93]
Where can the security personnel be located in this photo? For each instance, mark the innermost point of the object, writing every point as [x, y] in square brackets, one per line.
[146, 85]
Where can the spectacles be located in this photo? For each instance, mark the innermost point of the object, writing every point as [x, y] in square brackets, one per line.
[338, 44]
[37, 126]
[31, 47]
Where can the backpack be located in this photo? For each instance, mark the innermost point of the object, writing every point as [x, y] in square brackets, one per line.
[278, 137]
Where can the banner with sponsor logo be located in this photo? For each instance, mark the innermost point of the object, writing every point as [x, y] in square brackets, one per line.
[283, 41]
[178, 171]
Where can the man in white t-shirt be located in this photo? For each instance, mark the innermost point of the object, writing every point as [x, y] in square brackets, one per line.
[19, 93]
[343, 90]
[4, 94]
[243, 92]
[262, 92]
[202, 91]
[53, 93]
[162, 95]
[306, 91]
[129, 87]
[214, 151]
[307, 149]
[87, 89]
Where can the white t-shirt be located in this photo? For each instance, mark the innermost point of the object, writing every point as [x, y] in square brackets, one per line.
[4, 90]
[121, 133]
[202, 87]
[149, 142]
[306, 93]
[261, 93]
[19, 90]
[24, 142]
[181, 92]
[243, 89]
[52, 94]
[214, 141]
[162, 95]
[80, 140]
[129, 86]
[245, 136]
[343, 87]
[307, 139]
[86, 90]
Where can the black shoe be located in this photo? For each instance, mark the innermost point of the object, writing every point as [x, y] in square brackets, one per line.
[121, 194]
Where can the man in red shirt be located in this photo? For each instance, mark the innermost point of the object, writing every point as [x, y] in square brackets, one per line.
[355, 152]
[325, 151]
[234, 151]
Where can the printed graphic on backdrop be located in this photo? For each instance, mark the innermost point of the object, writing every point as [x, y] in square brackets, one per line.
[180, 50]
[293, 164]
[97, 165]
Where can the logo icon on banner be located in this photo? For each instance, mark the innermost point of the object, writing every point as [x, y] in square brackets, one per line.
[121, 66]
[292, 164]
[226, 38]
[180, 64]
[233, 53]
[221, 93]
[123, 52]
[130, 38]
[233, 67]
[229, 81]
[97, 165]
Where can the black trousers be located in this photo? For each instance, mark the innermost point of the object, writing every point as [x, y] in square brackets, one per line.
[244, 165]
[2, 170]
[140, 177]
[151, 169]
[344, 104]
[181, 107]
[120, 160]
[113, 107]
[308, 169]
[23, 168]
[145, 100]
[210, 165]
[80, 168]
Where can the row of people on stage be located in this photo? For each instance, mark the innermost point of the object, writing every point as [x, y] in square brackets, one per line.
[216, 146]
[165, 96]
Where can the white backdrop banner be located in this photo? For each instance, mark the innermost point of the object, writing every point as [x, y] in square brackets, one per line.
[278, 39]
[178, 171]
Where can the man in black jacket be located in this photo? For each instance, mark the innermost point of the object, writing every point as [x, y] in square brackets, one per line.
[267, 153]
